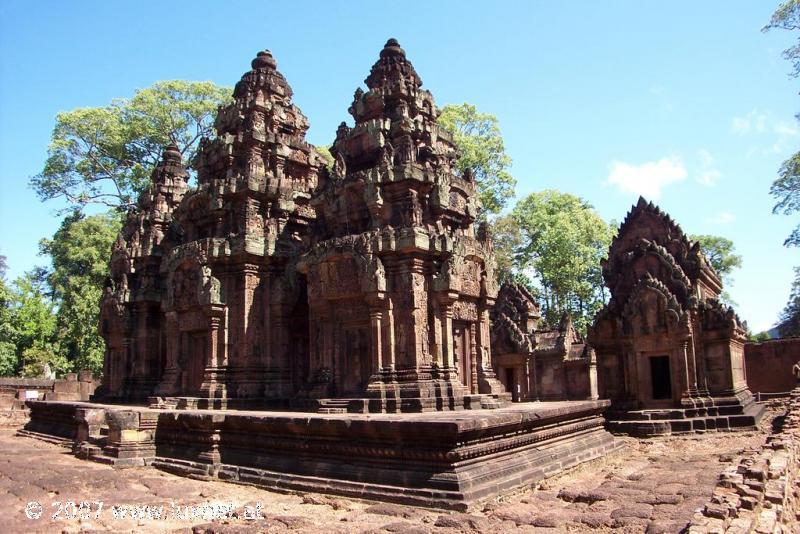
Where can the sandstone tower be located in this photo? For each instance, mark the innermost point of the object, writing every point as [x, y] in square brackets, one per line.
[400, 283]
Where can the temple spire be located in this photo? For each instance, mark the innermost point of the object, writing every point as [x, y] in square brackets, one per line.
[392, 69]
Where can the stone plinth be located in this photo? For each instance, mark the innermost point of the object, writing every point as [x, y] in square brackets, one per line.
[440, 459]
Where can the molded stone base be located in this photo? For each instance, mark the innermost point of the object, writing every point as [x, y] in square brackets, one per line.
[443, 459]
[700, 414]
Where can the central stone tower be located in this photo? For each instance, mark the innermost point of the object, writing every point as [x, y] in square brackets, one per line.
[400, 283]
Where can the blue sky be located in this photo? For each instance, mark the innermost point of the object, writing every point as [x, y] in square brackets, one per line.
[687, 102]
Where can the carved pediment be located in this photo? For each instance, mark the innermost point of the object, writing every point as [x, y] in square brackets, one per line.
[651, 308]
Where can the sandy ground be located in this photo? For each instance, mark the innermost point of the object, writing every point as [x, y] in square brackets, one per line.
[648, 486]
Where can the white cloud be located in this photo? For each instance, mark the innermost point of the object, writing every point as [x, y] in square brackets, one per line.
[706, 175]
[753, 122]
[764, 125]
[785, 128]
[647, 179]
[723, 217]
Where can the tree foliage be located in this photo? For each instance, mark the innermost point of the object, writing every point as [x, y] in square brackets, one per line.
[786, 189]
[105, 155]
[720, 252]
[787, 17]
[79, 252]
[789, 321]
[28, 328]
[481, 149]
[560, 244]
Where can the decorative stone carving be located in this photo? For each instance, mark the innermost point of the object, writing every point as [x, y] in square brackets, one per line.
[534, 361]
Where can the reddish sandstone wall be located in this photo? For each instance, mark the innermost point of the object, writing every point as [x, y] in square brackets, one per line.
[769, 365]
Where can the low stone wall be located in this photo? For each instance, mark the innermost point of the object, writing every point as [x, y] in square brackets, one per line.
[768, 365]
[759, 493]
[15, 392]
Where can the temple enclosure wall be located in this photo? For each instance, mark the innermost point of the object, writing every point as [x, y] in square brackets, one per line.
[769, 365]
[14, 391]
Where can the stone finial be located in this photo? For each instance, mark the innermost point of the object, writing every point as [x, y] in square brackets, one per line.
[392, 65]
[392, 48]
[171, 154]
[264, 60]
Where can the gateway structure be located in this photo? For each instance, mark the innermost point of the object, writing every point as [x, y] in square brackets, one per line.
[670, 354]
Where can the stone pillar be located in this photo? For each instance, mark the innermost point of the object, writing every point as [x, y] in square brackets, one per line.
[593, 393]
[473, 356]
[436, 347]
[446, 309]
[691, 371]
[388, 336]
[376, 341]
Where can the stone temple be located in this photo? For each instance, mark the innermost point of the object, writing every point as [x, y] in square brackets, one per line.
[276, 282]
[670, 355]
[535, 362]
[302, 328]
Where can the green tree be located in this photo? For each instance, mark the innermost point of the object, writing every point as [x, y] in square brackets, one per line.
[786, 189]
[787, 17]
[29, 328]
[79, 253]
[8, 350]
[789, 320]
[720, 252]
[105, 155]
[480, 143]
[563, 241]
[325, 152]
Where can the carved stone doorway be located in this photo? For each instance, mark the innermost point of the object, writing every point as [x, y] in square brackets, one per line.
[462, 352]
[356, 365]
[660, 377]
[193, 360]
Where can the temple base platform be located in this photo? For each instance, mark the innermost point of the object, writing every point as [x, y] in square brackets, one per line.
[448, 460]
[696, 415]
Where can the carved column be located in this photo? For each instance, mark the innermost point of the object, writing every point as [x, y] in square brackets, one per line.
[214, 385]
[473, 355]
[593, 393]
[376, 335]
[388, 336]
[446, 301]
[436, 347]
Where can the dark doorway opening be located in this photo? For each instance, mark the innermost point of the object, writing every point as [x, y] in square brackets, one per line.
[660, 377]
[511, 386]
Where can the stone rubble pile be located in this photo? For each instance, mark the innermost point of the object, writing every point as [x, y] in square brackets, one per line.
[761, 492]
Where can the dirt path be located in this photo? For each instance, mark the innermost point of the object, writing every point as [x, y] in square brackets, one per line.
[648, 486]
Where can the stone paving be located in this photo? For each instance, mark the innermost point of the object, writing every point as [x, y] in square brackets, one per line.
[649, 486]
